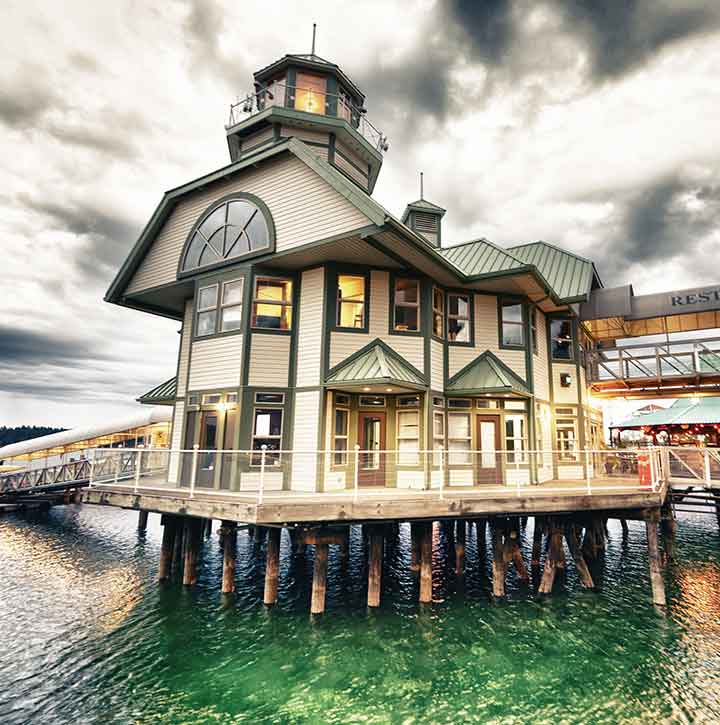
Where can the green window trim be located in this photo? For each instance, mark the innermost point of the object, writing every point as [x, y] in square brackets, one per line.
[335, 301]
[404, 305]
[470, 318]
[216, 302]
[285, 303]
[508, 325]
[561, 337]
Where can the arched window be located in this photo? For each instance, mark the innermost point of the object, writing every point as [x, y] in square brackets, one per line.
[235, 227]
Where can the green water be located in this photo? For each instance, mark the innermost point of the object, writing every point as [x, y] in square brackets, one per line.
[88, 636]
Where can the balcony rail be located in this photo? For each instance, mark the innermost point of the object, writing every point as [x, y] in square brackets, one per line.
[678, 359]
[266, 474]
[312, 101]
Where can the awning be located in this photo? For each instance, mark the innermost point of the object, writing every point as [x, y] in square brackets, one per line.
[377, 364]
[685, 411]
[486, 374]
[163, 394]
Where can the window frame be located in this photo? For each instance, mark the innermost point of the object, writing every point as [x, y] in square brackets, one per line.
[337, 304]
[254, 301]
[533, 328]
[561, 319]
[407, 305]
[508, 301]
[272, 458]
[511, 454]
[236, 196]
[340, 458]
[205, 310]
[411, 457]
[466, 453]
[470, 318]
[438, 312]
[219, 282]
[565, 453]
[439, 450]
[222, 305]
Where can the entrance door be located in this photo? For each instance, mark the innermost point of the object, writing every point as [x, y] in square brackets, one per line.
[207, 458]
[488, 466]
[371, 439]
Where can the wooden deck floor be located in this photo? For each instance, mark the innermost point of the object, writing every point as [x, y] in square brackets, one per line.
[375, 504]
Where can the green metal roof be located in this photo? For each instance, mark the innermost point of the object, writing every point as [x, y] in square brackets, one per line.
[422, 205]
[163, 394]
[569, 276]
[683, 411]
[486, 374]
[375, 363]
[481, 257]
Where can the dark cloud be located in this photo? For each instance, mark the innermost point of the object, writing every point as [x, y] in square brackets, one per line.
[106, 237]
[24, 347]
[28, 97]
[487, 25]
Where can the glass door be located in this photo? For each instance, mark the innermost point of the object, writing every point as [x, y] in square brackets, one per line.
[371, 438]
[208, 445]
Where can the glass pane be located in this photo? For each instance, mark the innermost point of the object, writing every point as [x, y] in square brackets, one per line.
[209, 439]
[512, 334]
[458, 425]
[459, 452]
[351, 314]
[341, 421]
[207, 297]
[277, 290]
[459, 306]
[310, 93]
[561, 334]
[438, 325]
[512, 313]
[192, 257]
[408, 426]
[351, 288]
[206, 323]
[407, 290]
[272, 317]
[340, 457]
[438, 425]
[208, 256]
[270, 398]
[232, 292]
[239, 214]
[438, 300]
[212, 223]
[231, 318]
[268, 422]
[406, 318]
[257, 232]
[458, 330]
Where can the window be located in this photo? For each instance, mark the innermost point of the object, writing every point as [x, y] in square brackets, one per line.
[372, 401]
[272, 304]
[342, 399]
[566, 439]
[515, 405]
[561, 339]
[438, 304]
[458, 318]
[231, 397]
[408, 401]
[231, 305]
[340, 439]
[512, 328]
[310, 93]
[351, 301]
[267, 431]
[459, 438]
[407, 305]
[515, 438]
[211, 399]
[438, 435]
[270, 398]
[486, 403]
[408, 437]
[459, 403]
[206, 310]
[533, 330]
[232, 229]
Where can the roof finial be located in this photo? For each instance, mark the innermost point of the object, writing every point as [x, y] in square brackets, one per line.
[312, 52]
[421, 185]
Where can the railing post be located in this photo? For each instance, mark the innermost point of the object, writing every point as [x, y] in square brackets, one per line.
[442, 478]
[261, 489]
[118, 461]
[138, 461]
[193, 472]
[356, 480]
[517, 474]
[91, 472]
[588, 479]
[654, 469]
[706, 466]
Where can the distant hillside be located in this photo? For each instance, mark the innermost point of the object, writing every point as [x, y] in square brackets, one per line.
[24, 433]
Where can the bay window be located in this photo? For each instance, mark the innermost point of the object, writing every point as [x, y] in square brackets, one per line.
[231, 305]
[458, 318]
[272, 304]
[406, 305]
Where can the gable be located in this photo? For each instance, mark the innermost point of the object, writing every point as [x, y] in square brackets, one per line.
[486, 374]
[304, 208]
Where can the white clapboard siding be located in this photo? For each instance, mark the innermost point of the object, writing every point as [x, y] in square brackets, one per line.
[303, 206]
[410, 347]
[184, 355]
[410, 479]
[216, 363]
[486, 338]
[256, 139]
[320, 151]
[540, 361]
[305, 134]
[272, 481]
[269, 360]
[176, 441]
[351, 171]
[305, 438]
[350, 154]
[310, 328]
[437, 380]
[560, 394]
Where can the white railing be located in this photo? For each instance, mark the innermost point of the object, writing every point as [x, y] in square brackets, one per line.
[311, 101]
[689, 466]
[267, 474]
[676, 359]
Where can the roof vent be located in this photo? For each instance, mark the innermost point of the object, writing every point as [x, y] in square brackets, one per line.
[425, 218]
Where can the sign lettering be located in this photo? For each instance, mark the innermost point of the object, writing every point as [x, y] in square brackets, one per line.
[695, 298]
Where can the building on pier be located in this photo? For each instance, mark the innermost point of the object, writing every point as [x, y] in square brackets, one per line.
[338, 345]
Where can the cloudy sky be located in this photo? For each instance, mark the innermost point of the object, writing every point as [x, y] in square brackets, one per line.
[593, 129]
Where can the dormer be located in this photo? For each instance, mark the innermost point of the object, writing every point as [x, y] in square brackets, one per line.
[425, 218]
[309, 98]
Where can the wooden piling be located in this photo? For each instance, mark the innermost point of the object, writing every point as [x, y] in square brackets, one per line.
[517, 557]
[272, 566]
[537, 541]
[460, 538]
[167, 548]
[573, 541]
[481, 532]
[656, 578]
[555, 551]
[142, 520]
[319, 583]
[426, 563]
[416, 532]
[179, 546]
[375, 559]
[192, 550]
[499, 567]
[229, 544]
[625, 529]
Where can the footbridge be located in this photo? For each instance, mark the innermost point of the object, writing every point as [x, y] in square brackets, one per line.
[680, 352]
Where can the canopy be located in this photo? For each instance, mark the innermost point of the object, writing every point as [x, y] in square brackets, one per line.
[486, 374]
[686, 411]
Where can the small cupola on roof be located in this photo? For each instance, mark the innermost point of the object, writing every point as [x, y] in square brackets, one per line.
[425, 218]
[309, 98]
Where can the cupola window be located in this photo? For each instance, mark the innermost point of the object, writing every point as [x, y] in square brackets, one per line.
[232, 229]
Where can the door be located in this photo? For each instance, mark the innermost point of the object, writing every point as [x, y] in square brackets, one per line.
[371, 438]
[207, 458]
[488, 466]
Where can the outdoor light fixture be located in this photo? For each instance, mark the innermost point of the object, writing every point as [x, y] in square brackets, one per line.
[565, 380]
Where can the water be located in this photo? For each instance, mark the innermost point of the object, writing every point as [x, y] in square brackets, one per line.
[88, 636]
